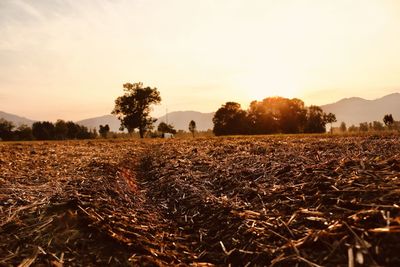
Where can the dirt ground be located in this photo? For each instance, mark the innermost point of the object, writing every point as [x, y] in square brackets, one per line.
[239, 201]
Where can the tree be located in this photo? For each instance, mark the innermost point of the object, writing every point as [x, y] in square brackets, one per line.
[61, 130]
[315, 120]
[363, 127]
[330, 118]
[6, 128]
[43, 130]
[73, 130]
[230, 119]
[343, 127]
[104, 130]
[261, 118]
[192, 127]
[133, 108]
[388, 120]
[166, 128]
[84, 133]
[24, 132]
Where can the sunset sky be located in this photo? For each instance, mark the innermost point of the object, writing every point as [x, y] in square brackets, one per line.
[69, 59]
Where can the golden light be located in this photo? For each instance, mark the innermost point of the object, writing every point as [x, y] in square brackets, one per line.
[257, 86]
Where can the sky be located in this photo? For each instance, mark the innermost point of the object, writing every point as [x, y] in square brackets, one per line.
[68, 59]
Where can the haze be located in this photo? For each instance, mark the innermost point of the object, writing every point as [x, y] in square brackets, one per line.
[69, 59]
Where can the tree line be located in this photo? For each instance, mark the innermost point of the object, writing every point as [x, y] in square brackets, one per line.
[375, 126]
[45, 130]
[271, 116]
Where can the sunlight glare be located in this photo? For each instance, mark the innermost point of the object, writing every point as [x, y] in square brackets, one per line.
[258, 86]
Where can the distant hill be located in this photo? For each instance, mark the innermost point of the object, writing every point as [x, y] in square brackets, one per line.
[16, 120]
[111, 120]
[355, 110]
[181, 119]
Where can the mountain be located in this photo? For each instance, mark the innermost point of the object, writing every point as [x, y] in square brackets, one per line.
[180, 120]
[16, 120]
[356, 110]
[111, 120]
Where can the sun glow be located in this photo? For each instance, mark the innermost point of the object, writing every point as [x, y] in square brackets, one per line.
[258, 86]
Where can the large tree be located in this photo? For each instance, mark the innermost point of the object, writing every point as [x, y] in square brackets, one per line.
[133, 108]
[230, 119]
[261, 119]
[43, 130]
[6, 129]
[315, 120]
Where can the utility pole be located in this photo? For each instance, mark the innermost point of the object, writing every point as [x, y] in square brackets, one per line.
[166, 115]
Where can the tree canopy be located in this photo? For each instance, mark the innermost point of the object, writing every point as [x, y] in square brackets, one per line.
[104, 130]
[269, 116]
[388, 120]
[6, 128]
[45, 130]
[230, 119]
[133, 108]
[166, 128]
[330, 118]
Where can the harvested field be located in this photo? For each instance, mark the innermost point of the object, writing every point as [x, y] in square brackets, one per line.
[255, 201]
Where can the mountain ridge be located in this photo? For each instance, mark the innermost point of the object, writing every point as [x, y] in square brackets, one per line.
[17, 120]
[356, 110]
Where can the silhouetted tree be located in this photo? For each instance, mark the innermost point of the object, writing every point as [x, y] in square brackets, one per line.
[315, 120]
[61, 130]
[230, 119]
[292, 115]
[6, 128]
[388, 120]
[261, 119]
[133, 108]
[73, 130]
[277, 114]
[104, 130]
[343, 127]
[363, 127]
[330, 118]
[43, 130]
[23, 132]
[192, 127]
[166, 128]
[271, 115]
[84, 133]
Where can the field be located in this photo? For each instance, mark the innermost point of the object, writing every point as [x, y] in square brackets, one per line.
[243, 201]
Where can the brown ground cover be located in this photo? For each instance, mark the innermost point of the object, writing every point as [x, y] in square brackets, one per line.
[255, 201]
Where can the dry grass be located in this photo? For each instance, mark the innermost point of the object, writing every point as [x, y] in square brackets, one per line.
[279, 201]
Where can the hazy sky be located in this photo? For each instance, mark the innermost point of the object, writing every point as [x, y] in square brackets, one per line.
[69, 59]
